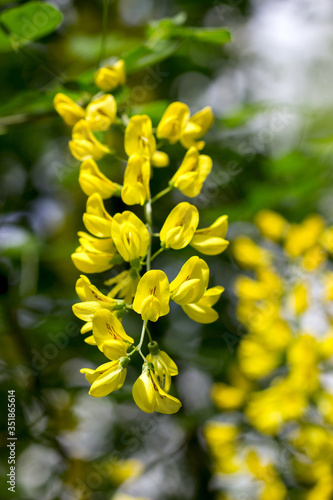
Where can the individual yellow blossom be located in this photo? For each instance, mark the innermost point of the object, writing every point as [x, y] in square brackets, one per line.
[84, 144]
[298, 298]
[123, 470]
[125, 285]
[192, 173]
[111, 76]
[326, 239]
[176, 125]
[271, 224]
[152, 295]
[180, 225]
[164, 367]
[110, 335]
[69, 111]
[101, 112]
[301, 237]
[202, 311]
[130, 236]
[92, 300]
[96, 219]
[313, 258]
[93, 181]
[249, 254]
[226, 397]
[136, 180]
[258, 316]
[191, 282]
[303, 361]
[197, 126]
[150, 397]
[173, 122]
[139, 139]
[94, 255]
[210, 240]
[106, 378]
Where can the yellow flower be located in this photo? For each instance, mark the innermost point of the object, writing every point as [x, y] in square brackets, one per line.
[94, 255]
[176, 125]
[191, 282]
[202, 311]
[197, 126]
[301, 237]
[92, 301]
[303, 359]
[250, 255]
[139, 139]
[271, 224]
[101, 113]
[173, 122]
[96, 219]
[136, 180]
[226, 397]
[150, 397]
[257, 360]
[110, 335]
[121, 470]
[152, 295]
[111, 76]
[313, 258]
[210, 240]
[326, 239]
[69, 111]
[130, 236]
[125, 283]
[179, 227]
[298, 298]
[106, 378]
[84, 144]
[93, 181]
[192, 173]
[164, 367]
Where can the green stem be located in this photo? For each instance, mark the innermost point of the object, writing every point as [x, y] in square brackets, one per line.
[104, 31]
[162, 193]
[149, 334]
[160, 250]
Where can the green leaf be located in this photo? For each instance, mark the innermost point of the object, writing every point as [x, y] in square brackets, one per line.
[143, 56]
[217, 36]
[28, 22]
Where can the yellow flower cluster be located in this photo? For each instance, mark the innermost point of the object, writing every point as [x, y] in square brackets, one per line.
[123, 239]
[279, 381]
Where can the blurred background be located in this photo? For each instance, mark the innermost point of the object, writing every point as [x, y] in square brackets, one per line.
[271, 143]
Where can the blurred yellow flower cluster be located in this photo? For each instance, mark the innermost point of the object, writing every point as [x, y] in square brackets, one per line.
[280, 385]
[123, 242]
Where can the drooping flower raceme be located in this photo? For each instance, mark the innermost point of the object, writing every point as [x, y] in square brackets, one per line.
[124, 239]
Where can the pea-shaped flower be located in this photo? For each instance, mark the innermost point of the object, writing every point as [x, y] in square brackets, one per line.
[101, 113]
[96, 218]
[192, 173]
[106, 378]
[94, 255]
[173, 122]
[136, 180]
[180, 225]
[111, 76]
[152, 295]
[93, 181]
[191, 282]
[84, 144]
[150, 397]
[140, 140]
[202, 311]
[210, 240]
[197, 126]
[164, 367]
[69, 111]
[109, 335]
[130, 236]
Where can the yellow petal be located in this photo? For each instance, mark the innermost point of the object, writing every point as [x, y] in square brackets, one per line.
[101, 113]
[84, 144]
[69, 111]
[93, 181]
[180, 225]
